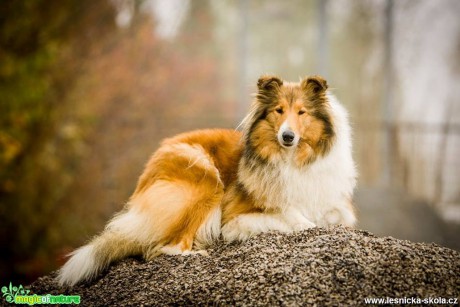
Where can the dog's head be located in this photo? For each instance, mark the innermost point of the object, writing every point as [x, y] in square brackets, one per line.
[289, 118]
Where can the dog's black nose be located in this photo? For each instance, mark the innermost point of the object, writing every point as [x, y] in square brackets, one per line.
[288, 136]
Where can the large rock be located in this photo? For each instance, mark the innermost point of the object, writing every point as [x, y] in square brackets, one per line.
[336, 266]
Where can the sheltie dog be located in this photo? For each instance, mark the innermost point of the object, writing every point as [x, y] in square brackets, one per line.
[289, 169]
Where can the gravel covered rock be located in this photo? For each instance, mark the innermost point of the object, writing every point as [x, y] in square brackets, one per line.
[336, 266]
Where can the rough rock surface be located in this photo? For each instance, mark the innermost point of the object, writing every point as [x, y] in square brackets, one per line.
[336, 266]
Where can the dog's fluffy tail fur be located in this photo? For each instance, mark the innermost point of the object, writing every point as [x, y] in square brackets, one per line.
[87, 261]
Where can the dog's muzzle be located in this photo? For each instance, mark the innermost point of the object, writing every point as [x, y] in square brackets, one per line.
[288, 138]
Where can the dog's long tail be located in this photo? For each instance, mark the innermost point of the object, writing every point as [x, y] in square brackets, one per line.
[87, 261]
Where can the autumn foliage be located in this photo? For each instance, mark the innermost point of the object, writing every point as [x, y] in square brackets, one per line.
[82, 106]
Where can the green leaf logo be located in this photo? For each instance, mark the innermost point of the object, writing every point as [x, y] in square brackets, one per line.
[11, 292]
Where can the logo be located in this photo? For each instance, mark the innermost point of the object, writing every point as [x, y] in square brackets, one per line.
[19, 295]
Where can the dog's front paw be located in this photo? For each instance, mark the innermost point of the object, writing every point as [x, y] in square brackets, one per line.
[304, 225]
[233, 231]
[333, 217]
[298, 222]
[338, 216]
[195, 252]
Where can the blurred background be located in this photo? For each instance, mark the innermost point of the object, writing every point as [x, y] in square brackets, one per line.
[89, 88]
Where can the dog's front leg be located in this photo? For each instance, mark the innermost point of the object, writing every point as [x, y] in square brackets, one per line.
[296, 220]
[247, 225]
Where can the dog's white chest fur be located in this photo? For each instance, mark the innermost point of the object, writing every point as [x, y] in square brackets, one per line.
[313, 192]
[299, 192]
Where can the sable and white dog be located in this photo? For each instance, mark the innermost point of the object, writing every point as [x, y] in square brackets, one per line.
[289, 169]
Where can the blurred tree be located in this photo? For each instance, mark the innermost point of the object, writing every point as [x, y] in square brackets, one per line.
[83, 106]
[157, 88]
[39, 42]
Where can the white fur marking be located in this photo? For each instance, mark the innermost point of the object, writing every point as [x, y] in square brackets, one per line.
[176, 250]
[150, 212]
[81, 266]
[247, 225]
[209, 231]
[286, 127]
[171, 250]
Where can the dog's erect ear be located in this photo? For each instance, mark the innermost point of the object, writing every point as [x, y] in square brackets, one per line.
[314, 85]
[267, 82]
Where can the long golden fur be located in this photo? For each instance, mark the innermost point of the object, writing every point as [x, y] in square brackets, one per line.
[289, 169]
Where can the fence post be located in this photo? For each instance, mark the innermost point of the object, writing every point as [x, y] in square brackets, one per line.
[323, 38]
[389, 129]
[242, 60]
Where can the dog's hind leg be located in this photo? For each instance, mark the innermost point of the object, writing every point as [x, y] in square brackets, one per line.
[178, 193]
[199, 224]
[192, 186]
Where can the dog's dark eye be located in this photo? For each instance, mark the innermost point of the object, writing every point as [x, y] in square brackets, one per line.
[301, 112]
[279, 110]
